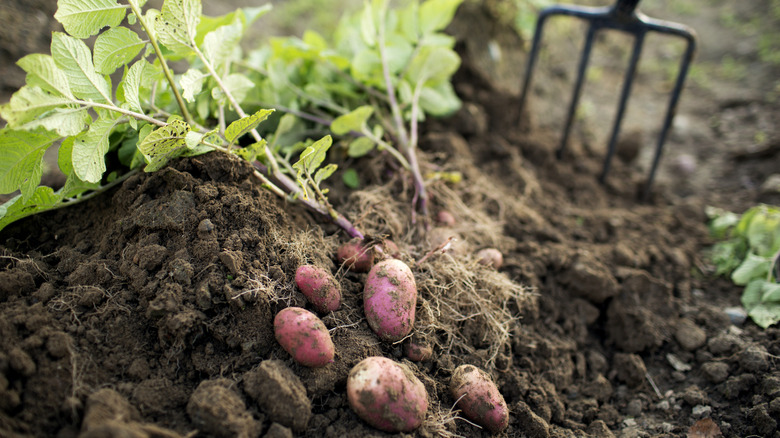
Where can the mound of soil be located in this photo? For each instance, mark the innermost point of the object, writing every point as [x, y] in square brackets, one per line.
[148, 311]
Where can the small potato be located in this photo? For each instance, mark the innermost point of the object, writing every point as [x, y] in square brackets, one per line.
[387, 395]
[304, 336]
[355, 256]
[417, 352]
[490, 257]
[319, 287]
[389, 299]
[446, 218]
[388, 249]
[479, 398]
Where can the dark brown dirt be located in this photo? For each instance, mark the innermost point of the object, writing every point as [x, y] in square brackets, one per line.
[148, 311]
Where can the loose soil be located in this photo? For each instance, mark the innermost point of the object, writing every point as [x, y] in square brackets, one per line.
[148, 311]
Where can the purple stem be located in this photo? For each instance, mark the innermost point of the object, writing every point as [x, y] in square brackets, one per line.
[291, 187]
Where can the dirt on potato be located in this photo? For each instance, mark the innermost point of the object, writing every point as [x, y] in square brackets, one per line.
[148, 311]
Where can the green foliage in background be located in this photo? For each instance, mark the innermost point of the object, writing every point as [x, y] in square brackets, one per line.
[748, 253]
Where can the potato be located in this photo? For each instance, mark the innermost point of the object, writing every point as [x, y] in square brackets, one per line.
[490, 257]
[479, 398]
[388, 249]
[446, 218]
[389, 299]
[304, 336]
[319, 287]
[355, 256]
[417, 351]
[387, 395]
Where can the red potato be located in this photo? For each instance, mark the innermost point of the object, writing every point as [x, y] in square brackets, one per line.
[479, 398]
[355, 256]
[387, 395]
[389, 299]
[417, 352]
[446, 218]
[304, 336]
[490, 257]
[319, 287]
[388, 249]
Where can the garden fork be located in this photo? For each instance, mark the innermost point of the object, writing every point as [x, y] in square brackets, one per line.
[621, 16]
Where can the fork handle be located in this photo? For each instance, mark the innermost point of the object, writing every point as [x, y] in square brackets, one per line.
[626, 7]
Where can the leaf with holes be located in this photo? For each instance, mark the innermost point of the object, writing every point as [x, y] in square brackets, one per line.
[235, 130]
[164, 144]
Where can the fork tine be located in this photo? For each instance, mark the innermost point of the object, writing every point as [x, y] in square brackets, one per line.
[690, 38]
[639, 39]
[583, 66]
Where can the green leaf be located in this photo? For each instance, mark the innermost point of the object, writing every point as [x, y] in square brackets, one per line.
[115, 48]
[440, 100]
[246, 15]
[128, 152]
[351, 179]
[84, 18]
[21, 159]
[73, 57]
[253, 151]
[360, 146]
[765, 315]
[237, 84]
[90, 148]
[435, 15]
[29, 103]
[770, 292]
[18, 207]
[721, 221]
[753, 267]
[220, 44]
[352, 121]
[74, 187]
[286, 124]
[324, 173]
[177, 24]
[432, 65]
[136, 76]
[65, 156]
[44, 73]
[368, 22]
[164, 144]
[192, 83]
[64, 121]
[312, 157]
[235, 130]
[751, 296]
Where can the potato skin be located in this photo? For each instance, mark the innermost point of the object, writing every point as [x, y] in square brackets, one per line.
[387, 395]
[389, 299]
[319, 287]
[490, 257]
[481, 402]
[355, 256]
[303, 335]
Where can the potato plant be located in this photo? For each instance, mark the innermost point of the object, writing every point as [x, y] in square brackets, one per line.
[372, 85]
[749, 251]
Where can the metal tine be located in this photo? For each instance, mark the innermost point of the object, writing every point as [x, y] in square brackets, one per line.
[621, 16]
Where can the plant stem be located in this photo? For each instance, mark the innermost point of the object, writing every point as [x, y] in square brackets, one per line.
[119, 110]
[388, 147]
[408, 148]
[167, 71]
[274, 171]
[293, 188]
